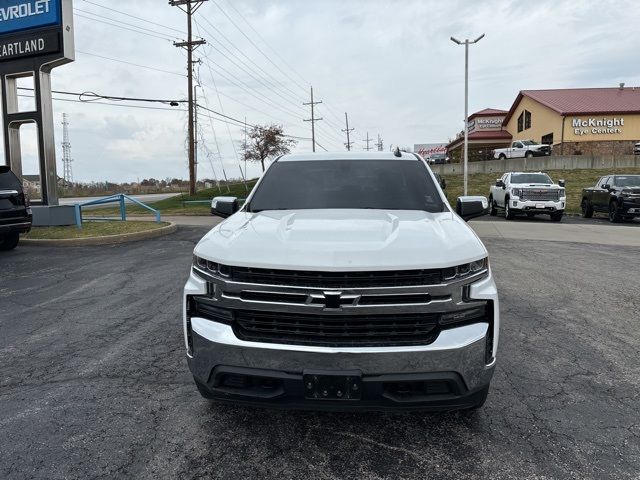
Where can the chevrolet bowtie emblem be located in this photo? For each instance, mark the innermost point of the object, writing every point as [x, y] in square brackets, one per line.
[332, 299]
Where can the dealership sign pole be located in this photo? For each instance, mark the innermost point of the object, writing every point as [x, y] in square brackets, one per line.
[35, 37]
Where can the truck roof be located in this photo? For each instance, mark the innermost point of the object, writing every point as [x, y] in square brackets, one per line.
[358, 155]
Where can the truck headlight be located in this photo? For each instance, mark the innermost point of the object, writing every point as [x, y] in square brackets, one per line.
[516, 192]
[211, 268]
[466, 269]
[563, 192]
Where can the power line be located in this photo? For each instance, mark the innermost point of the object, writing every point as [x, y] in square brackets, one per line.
[130, 63]
[247, 69]
[120, 22]
[133, 16]
[256, 46]
[168, 39]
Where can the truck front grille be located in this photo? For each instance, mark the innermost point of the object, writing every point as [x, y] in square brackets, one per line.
[541, 194]
[336, 330]
[300, 278]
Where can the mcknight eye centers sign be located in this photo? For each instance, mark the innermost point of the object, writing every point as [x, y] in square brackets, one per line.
[18, 18]
[597, 126]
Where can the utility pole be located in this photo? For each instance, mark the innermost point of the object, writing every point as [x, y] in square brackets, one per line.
[380, 145]
[195, 135]
[466, 44]
[66, 152]
[313, 120]
[368, 140]
[190, 7]
[347, 131]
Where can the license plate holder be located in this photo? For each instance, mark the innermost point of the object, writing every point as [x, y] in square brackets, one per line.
[323, 385]
[540, 205]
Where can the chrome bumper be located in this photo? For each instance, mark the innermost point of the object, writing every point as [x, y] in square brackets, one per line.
[460, 350]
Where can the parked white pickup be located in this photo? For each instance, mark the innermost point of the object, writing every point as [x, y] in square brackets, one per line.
[523, 148]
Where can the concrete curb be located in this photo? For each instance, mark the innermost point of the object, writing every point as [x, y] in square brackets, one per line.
[105, 240]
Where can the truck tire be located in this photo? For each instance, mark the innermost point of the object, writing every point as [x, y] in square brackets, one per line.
[557, 216]
[9, 242]
[614, 216]
[529, 155]
[502, 156]
[494, 211]
[587, 209]
[508, 213]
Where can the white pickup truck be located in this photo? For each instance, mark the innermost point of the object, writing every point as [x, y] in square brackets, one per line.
[528, 193]
[345, 281]
[522, 149]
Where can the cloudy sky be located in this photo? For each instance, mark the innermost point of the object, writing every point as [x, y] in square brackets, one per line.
[389, 64]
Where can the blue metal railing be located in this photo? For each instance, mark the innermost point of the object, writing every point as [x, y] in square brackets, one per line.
[118, 198]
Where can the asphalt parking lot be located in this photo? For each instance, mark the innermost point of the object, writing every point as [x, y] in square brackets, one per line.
[94, 381]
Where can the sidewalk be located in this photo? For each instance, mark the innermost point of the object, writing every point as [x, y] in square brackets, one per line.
[559, 232]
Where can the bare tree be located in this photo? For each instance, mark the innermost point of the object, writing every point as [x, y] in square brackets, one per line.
[264, 143]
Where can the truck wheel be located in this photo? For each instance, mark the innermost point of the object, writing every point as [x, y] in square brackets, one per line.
[508, 213]
[529, 154]
[587, 209]
[557, 216]
[10, 241]
[494, 211]
[614, 216]
[502, 156]
[204, 391]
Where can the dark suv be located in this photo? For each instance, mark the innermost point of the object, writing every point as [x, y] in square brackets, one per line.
[15, 213]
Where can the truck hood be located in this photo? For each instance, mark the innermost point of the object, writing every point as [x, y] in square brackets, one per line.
[535, 185]
[342, 240]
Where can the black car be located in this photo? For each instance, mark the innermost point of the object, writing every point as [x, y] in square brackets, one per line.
[15, 213]
[617, 195]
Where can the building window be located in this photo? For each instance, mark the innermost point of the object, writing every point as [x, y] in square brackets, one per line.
[527, 119]
[547, 139]
[521, 122]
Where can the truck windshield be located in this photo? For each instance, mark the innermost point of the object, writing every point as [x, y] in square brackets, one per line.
[374, 184]
[529, 142]
[627, 181]
[530, 178]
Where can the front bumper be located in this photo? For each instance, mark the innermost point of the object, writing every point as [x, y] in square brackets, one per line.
[537, 206]
[457, 359]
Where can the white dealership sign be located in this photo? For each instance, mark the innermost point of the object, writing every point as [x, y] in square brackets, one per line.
[597, 126]
[486, 123]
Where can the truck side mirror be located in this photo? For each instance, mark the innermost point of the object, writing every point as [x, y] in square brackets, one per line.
[224, 206]
[443, 183]
[606, 186]
[561, 182]
[499, 183]
[472, 207]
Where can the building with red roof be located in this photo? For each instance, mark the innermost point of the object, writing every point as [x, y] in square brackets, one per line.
[486, 132]
[589, 121]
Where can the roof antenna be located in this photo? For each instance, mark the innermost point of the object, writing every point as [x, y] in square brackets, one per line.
[397, 152]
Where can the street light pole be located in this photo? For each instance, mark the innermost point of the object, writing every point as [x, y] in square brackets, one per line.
[466, 44]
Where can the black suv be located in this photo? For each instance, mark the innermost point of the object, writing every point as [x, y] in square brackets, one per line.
[15, 213]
